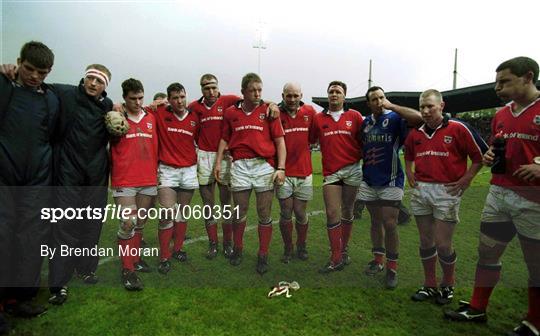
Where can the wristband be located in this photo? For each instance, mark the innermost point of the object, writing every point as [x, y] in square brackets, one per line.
[282, 169]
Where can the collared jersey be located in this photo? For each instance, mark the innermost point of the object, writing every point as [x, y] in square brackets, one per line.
[297, 129]
[522, 134]
[177, 137]
[339, 140]
[134, 156]
[251, 135]
[211, 119]
[442, 156]
[381, 140]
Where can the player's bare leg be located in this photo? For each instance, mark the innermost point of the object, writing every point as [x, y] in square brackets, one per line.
[377, 239]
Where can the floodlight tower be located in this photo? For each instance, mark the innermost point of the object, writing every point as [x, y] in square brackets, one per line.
[260, 42]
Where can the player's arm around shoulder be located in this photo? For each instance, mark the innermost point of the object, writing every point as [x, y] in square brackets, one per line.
[412, 116]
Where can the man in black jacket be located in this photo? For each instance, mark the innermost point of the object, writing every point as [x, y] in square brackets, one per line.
[81, 175]
[28, 117]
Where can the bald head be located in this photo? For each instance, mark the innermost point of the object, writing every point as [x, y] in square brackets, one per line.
[292, 86]
[292, 96]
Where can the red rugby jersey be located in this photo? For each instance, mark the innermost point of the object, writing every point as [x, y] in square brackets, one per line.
[522, 134]
[442, 156]
[251, 136]
[297, 129]
[211, 120]
[339, 140]
[134, 155]
[177, 137]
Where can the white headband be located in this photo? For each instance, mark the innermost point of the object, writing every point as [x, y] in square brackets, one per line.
[98, 74]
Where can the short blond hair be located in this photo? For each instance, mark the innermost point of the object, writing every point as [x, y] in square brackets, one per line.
[432, 92]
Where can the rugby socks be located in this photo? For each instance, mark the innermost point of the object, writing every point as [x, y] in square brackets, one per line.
[448, 265]
[211, 230]
[391, 261]
[285, 226]
[429, 262]
[238, 235]
[533, 315]
[378, 254]
[138, 239]
[179, 235]
[301, 233]
[346, 228]
[227, 232]
[265, 236]
[165, 237]
[128, 261]
[485, 279]
[334, 235]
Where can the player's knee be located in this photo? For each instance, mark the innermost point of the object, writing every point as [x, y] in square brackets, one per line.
[390, 223]
[426, 242]
[126, 229]
[167, 213]
[263, 210]
[445, 249]
[265, 220]
[165, 224]
[391, 230]
[285, 217]
[347, 212]
[128, 222]
[489, 251]
[332, 215]
[240, 219]
[301, 219]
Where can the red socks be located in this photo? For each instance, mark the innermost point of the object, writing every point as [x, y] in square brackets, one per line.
[286, 233]
[429, 262]
[238, 235]
[335, 235]
[485, 280]
[165, 237]
[265, 236]
[179, 235]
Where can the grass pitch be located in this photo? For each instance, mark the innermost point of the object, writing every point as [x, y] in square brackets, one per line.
[203, 297]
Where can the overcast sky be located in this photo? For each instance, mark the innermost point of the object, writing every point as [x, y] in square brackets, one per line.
[312, 42]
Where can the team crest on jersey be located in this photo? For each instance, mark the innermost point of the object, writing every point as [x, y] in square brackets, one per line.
[306, 118]
[262, 116]
[536, 120]
[193, 123]
[348, 123]
[220, 109]
[447, 139]
[149, 126]
[385, 123]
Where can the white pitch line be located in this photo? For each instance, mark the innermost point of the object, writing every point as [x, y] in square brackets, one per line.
[205, 238]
